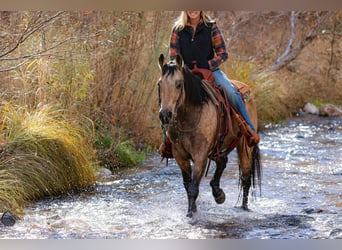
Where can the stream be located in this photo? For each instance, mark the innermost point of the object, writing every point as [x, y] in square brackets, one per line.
[301, 196]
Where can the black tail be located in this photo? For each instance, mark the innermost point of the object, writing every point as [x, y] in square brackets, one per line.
[255, 178]
[256, 170]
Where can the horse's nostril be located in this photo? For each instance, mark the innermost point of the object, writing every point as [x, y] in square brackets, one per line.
[165, 116]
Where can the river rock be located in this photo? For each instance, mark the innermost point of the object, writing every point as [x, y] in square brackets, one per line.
[103, 173]
[330, 110]
[311, 109]
[8, 219]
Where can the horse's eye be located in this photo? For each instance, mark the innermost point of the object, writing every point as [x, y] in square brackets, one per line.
[179, 84]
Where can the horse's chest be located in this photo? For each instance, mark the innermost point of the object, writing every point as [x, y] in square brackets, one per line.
[178, 137]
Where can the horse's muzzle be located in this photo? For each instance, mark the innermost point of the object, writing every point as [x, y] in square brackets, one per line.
[165, 116]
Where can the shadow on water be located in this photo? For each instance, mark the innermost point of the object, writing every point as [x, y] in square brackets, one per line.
[301, 196]
[274, 226]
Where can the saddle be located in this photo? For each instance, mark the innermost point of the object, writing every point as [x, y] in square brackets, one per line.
[225, 110]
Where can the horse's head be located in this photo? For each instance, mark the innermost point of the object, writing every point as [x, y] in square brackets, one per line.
[170, 88]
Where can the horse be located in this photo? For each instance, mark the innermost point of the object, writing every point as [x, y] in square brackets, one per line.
[189, 117]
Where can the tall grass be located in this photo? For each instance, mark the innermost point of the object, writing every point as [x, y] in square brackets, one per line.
[43, 153]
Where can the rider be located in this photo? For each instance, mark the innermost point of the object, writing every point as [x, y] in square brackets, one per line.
[198, 38]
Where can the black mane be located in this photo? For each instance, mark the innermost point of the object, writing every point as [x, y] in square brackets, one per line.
[195, 94]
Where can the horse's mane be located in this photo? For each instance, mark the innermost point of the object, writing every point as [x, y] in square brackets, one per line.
[195, 94]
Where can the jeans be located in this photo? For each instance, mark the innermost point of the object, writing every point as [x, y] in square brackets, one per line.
[233, 95]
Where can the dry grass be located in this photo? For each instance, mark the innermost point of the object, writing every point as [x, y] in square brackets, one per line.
[43, 153]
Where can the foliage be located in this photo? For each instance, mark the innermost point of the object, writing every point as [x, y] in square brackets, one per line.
[43, 153]
[127, 155]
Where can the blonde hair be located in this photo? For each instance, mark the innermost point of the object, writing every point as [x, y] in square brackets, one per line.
[183, 20]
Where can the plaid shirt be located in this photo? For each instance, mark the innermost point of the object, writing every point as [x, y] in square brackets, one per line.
[217, 42]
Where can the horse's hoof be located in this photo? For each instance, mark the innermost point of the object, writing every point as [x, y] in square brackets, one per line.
[220, 198]
[189, 214]
[245, 207]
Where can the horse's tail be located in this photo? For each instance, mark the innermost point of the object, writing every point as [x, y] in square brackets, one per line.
[256, 170]
[256, 173]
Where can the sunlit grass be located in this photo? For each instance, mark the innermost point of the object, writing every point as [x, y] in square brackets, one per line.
[42, 153]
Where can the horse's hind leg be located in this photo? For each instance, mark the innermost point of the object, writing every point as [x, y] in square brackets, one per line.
[215, 182]
[250, 170]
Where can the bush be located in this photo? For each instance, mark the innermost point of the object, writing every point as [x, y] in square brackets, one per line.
[127, 155]
[42, 153]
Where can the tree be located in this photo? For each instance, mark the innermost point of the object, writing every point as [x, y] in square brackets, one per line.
[13, 39]
[299, 40]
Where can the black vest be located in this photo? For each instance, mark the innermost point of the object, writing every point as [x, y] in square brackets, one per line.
[198, 47]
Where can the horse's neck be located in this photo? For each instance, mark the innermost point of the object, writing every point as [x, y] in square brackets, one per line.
[188, 116]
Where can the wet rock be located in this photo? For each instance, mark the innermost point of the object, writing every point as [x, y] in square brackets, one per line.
[336, 234]
[300, 113]
[311, 109]
[312, 210]
[103, 173]
[8, 219]
[338, 172]
[330, 110]
[299, 136]
[331, 130]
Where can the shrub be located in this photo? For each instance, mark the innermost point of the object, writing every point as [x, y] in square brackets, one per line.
[42, 153]
[127, 155]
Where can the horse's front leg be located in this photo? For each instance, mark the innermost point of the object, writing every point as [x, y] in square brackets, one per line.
[197, 174]
[186, 173]
[218, 193]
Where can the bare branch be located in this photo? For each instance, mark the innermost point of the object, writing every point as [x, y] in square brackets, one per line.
[292, 37]
[14, 67]
[31, 30]
[291, 53]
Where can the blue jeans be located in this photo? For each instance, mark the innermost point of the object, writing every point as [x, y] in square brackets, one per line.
[233, 95]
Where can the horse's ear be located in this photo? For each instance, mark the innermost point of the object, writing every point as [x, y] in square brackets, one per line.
[161, 60]
[179, 61]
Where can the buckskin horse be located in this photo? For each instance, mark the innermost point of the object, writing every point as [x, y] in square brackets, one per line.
[189, 118]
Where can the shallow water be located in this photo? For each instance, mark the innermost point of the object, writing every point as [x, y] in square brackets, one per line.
[301, 196]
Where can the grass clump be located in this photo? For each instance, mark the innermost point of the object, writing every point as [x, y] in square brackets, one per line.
[42, 153]
[127, 155]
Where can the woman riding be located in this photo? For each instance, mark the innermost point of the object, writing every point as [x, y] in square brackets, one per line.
[198, 38]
